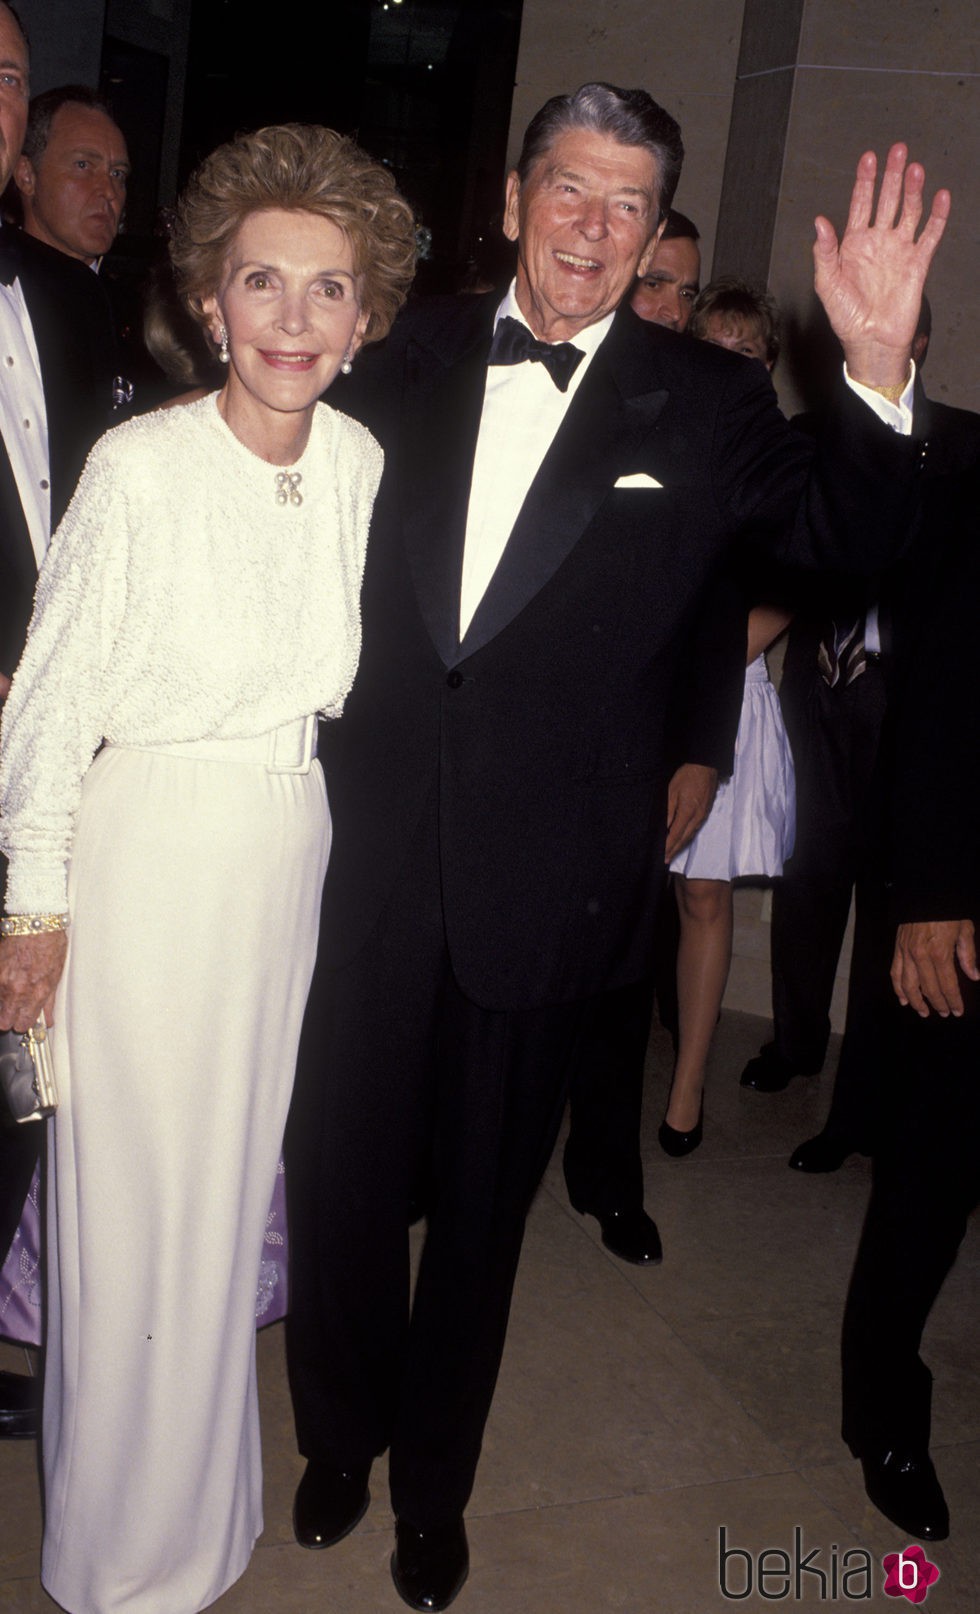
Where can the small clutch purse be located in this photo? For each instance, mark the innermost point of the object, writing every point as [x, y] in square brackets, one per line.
[27, 1073]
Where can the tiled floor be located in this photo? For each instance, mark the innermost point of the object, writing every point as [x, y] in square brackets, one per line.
[640, 1411]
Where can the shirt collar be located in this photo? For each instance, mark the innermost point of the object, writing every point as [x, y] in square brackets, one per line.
[588, 340]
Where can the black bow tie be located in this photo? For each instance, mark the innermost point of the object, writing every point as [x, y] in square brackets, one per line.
[513, 343]
[9, 257]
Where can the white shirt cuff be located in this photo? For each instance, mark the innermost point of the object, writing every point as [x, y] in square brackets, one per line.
[896, 415]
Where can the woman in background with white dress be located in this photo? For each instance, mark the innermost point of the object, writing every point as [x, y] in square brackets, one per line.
[198, 608]
[750, 828]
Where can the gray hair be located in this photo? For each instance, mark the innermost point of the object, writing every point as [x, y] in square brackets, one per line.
[632, 117]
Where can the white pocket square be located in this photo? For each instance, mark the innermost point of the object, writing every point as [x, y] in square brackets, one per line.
[639, 479]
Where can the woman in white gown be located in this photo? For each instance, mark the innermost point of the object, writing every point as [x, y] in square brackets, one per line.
[752, 822]
[197, 609]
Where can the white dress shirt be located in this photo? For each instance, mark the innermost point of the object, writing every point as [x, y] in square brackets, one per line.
[522, 411]
[23, 416]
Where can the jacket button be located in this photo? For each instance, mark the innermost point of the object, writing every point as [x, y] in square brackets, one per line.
[454, 679]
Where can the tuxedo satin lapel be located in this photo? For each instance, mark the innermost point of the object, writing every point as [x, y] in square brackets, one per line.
[593, 447]
[444, 402]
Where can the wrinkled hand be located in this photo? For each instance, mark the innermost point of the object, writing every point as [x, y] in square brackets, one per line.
[30, 969]
[870, 283]
[689, 796]
[923, 968]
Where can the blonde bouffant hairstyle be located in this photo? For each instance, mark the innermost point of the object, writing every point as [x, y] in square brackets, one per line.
[299, 167]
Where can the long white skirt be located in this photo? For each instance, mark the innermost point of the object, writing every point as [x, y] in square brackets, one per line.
[195, 893]
[752, 823]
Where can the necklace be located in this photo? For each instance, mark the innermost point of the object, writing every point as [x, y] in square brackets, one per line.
[287, 487]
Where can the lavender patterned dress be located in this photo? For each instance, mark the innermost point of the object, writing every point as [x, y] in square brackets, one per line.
[20, 1276]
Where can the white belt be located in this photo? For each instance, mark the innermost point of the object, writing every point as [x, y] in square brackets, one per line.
[288, 749]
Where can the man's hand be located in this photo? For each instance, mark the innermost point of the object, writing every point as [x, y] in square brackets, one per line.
[870, 283]
[924, 965]
[30, 969]
[689, 797]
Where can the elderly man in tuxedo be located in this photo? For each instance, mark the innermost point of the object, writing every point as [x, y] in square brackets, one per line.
[846, 658]
[56, 374]
[563, 482]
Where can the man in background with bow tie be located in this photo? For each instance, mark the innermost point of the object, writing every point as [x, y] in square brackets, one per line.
[547, 529]
[56, 372]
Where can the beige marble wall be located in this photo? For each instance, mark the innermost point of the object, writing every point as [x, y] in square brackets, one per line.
[868, 74]
[775, 115]
[761, 109]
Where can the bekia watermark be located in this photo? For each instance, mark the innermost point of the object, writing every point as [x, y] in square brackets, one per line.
[776, 1574]
[828, 1575]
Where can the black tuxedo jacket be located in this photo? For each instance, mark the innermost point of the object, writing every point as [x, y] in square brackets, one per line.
[541, 739]
[933, 741]
[947, 441]
[76, 347]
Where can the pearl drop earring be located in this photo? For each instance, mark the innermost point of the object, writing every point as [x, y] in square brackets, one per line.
[223, 354]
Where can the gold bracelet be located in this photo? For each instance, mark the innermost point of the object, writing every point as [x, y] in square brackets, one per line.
[891, 393]
[32, 924]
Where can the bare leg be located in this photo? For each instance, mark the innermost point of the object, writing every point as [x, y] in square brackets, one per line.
[703, 959]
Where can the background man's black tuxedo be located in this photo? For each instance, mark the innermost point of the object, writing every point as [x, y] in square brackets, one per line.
[842, 779]
[76, 348]
[926, 1176]
[499, 821]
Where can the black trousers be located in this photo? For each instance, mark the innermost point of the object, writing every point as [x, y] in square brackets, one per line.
[404, 1080]
[861, 1095]
[926, 1181]
[602, 1160]
[835, 736]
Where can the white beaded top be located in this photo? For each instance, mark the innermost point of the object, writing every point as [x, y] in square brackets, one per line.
[179, 601]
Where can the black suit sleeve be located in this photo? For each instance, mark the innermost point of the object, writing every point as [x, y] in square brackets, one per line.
[935, 726]
[708, 700]
[846, 503]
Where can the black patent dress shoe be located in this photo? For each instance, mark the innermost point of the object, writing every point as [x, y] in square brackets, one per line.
[905, 1489]
[825, 1152]
[329, 1503]
[769, 1072]
[632, 1235]
[20, 1406]
[677, 1144]
[429, 1567]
